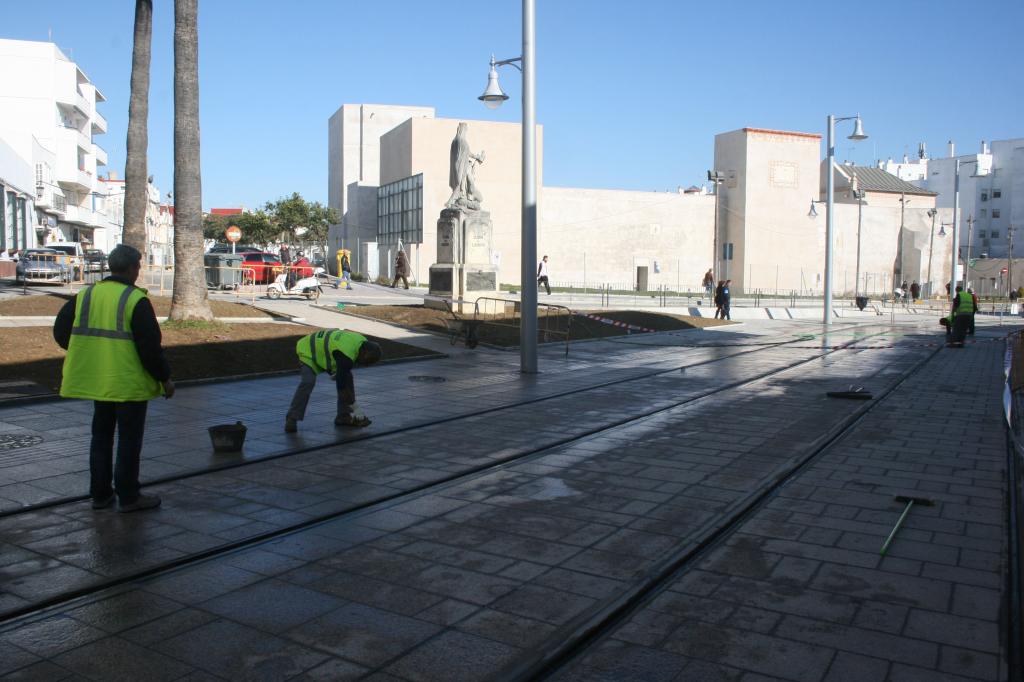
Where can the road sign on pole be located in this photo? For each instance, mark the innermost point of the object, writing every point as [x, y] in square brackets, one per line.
[233, 233]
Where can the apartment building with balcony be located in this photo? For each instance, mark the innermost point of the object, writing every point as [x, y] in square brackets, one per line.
[49, 120]
[159, 220]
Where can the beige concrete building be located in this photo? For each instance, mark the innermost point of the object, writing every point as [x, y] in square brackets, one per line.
[389, 179]
[773, 176]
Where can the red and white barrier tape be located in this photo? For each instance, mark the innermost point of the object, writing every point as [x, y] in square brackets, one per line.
[614, 323]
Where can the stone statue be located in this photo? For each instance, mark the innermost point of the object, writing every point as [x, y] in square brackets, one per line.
[461, 179]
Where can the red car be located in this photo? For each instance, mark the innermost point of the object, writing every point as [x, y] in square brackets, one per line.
[260, 267]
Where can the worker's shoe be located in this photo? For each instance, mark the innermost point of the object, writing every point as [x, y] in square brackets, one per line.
[103, 502]
[290, 425]
[140, 503]
[349, 420]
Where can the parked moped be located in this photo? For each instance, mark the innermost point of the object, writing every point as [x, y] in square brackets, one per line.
[310, 287]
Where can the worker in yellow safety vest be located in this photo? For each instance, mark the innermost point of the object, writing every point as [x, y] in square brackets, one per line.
[115, 359]
[336, 352]
[962, 314]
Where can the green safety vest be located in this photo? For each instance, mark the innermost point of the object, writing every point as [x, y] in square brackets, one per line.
[102, 362]
[317, 350]
[965, 303]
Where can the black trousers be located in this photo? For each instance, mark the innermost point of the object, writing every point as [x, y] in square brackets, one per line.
[543, 279]
[961, 325]
[129, 420]
[405, 282]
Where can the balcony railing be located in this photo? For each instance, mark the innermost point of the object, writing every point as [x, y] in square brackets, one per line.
[99, 123]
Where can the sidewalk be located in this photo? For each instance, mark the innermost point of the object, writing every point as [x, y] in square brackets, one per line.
[464, 579]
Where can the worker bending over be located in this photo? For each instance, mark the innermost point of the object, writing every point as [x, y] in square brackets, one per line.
[962, 314]
[336, 352]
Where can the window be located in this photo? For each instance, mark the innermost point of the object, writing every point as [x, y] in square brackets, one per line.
[996, 193]
[984, 196]
[995, 212]
[400, 211]
[982, 234]
[995, 234]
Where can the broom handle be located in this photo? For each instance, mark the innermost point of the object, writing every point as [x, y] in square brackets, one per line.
[895, 528]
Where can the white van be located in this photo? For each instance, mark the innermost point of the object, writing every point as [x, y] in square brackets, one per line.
[75, 256]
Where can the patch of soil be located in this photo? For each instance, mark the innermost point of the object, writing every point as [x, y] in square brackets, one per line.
[50, 304]
[210, 351]
[503, 330]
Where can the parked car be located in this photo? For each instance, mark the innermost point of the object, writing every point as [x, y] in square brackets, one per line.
[226, 248]
[42, 266]
[95, 260]
[264, 267]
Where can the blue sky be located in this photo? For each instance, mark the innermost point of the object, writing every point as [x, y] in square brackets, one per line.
[631, 94]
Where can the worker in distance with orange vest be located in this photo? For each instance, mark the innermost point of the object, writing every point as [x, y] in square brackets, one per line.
[336, 352]
[115, 359]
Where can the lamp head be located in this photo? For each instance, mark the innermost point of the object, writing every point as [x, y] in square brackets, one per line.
[493, 96]
[942, 230]
[932, 212]
[858, 131]
[813, 213]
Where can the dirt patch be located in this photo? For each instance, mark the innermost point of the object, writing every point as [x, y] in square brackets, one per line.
[207, 351]
[503, 330]
[50, 304]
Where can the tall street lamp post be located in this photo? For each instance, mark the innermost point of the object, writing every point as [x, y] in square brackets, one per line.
[858, 194]
[857, 135]
[493, 97]
[967, 261]
[931, 247]
[716, 178]
[956, 223]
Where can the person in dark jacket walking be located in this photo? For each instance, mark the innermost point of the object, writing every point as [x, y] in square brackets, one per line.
[402, 269]
[718, 298]
[726, 300]
[115, 359]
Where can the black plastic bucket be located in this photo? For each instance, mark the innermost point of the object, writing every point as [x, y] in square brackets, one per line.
[228, 437]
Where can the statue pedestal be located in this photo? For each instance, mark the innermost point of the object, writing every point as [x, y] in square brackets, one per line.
[463, 271]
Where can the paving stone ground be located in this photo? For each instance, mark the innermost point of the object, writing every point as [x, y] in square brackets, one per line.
[531, 518]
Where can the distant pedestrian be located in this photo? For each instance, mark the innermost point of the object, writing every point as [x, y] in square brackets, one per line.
[726, 300]
[977, 307]
[336, 352]
[718, 298]
[542, 275]
[114, 359]
[915, 291]
[402, 269]
[346, 271]
[708, 283]
[285, 255]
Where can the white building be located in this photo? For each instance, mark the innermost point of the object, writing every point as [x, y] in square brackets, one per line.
[991, 193]
[17, 217]
[48, 119]
[159, 220]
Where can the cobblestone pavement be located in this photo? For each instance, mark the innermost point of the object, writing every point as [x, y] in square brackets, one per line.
[465, 549]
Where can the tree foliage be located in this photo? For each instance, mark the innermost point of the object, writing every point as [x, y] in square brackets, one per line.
[256, 227]
[298, 219]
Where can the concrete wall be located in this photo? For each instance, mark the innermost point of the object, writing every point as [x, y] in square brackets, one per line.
[602, 236]
[353, 169]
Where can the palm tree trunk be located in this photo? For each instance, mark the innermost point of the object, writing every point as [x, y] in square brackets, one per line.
[135, 190]
[189, 300]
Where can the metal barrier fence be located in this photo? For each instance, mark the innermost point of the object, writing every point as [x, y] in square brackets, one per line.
[504, 313]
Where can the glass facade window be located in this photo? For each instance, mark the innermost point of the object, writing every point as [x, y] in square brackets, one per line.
[400, 211]
[10, 221]
[23, 219]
